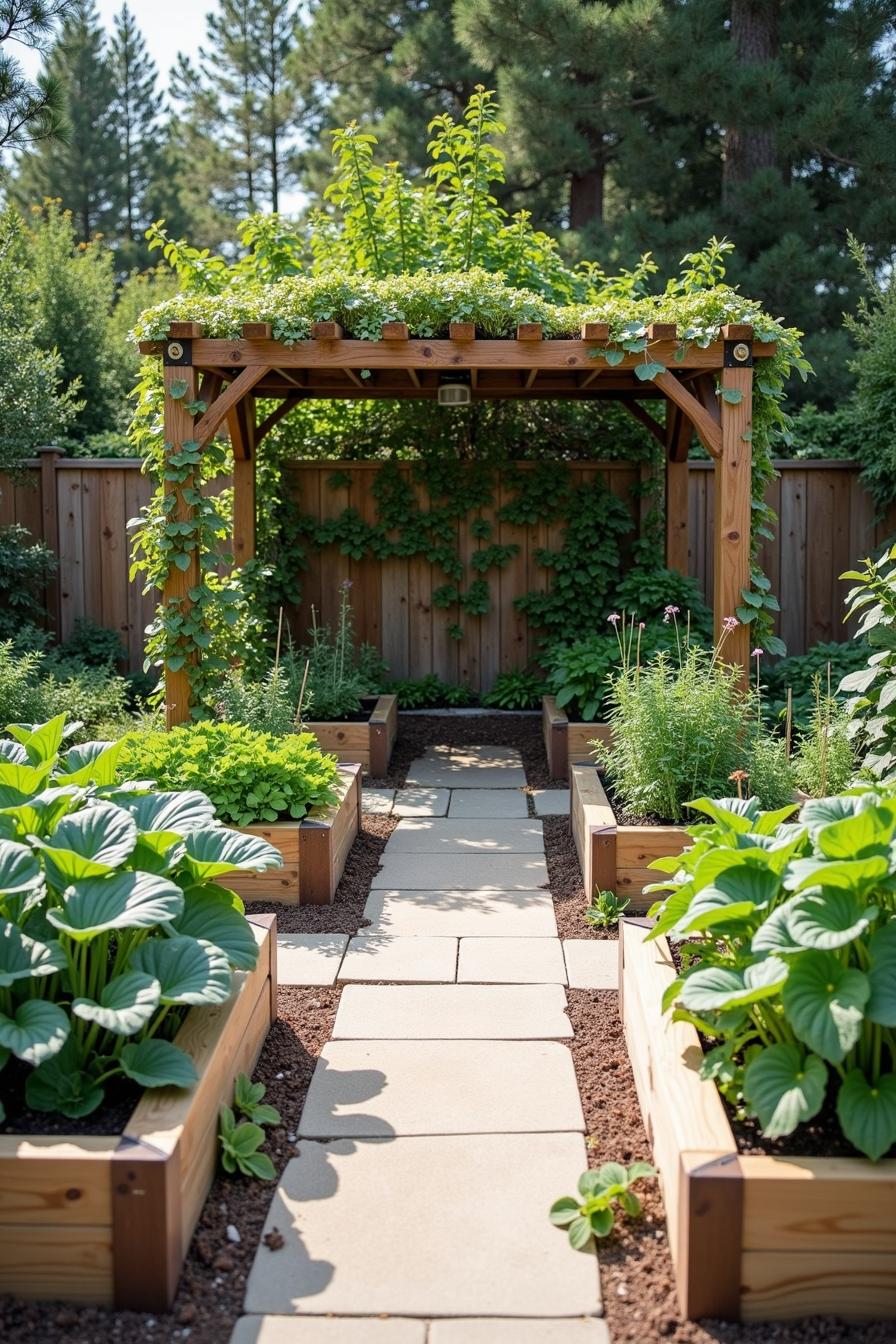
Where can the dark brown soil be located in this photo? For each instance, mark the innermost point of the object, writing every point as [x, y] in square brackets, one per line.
[418, 731]
[565, 881]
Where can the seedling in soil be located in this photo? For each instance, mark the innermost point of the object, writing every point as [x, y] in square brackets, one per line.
[593, 1214]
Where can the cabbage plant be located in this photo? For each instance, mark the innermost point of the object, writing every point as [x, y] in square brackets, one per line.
[112, 919]
[788, 933]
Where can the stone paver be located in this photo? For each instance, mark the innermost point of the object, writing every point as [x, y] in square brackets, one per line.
[515, 961]
[582, 1330]
[452, 1012]
[487, 803]
[364, 1089]
[464, 872]
[551, 802]
[328, 1330]
[592, 963]
[420, 803]
[309, 958]
[413, 960]
[486, 756]
[451, 774]
[488, 912]
[407, 1226]
[447, 835]
[377, 800]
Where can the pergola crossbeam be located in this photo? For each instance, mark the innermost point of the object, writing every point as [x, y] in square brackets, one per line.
[214, 417]
[708, 430]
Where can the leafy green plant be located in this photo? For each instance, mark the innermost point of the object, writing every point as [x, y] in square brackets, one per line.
[872, 703]
[249, 776]
[89, 645]
[592, 1214]
[111, 919]
[95, 699]
[579, 672]
[334, 685]
[240, 1140]
[825, 761]
[605, 910]
[264, 704]
[797, 674]
[429, 692]
[25, 567]
[518, 689]
[789, 930]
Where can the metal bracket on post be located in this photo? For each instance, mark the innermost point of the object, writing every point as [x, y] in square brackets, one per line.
[738, 354]
[178, 354]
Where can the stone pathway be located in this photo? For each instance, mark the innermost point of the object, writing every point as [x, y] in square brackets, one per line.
[443, 1117]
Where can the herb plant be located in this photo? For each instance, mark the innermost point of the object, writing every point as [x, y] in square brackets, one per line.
[240, 1140]
[605, 910]
[518, 689]
[789, 934]
[264, 704]
[335, 684]
[592, 1213]
[112, 921]
[250, 777]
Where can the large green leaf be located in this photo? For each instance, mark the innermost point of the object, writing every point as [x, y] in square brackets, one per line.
[866, 833]
[783, 1088]
[180, 812]
[737, 814]
[13, 751]
[126, 1003]
[40, 814]
[217, 850]
[867, 1112]
[824, 1002]
[710, 908]
[22, 958]
[19, 869]
[61, 1084]
[37, 1031]
[18, 783]
[716, 988]
[102, 832]
[881, 1006]
[158, 851]
[773, 934]
[857, 875]
[90, 763]
[828, 919]
[155, 1063]
[206, 916]
[189, 970]
[123, 901]
[40, 740]
[819, 812]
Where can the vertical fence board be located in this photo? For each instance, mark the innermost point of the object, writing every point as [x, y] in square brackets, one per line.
[792, 543]
[71, 548]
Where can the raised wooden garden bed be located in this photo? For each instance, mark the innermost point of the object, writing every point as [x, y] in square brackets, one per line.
[314, 851]
[566, 741]
[108, 1218]
[614, 857]
[752, 1238]
[368, 743]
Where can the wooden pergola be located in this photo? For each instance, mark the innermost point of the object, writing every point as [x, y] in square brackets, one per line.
[229, 376]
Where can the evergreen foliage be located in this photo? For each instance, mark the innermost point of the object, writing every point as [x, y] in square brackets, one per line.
[30, 111]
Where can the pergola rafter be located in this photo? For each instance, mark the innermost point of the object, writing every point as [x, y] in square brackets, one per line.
[230, 375]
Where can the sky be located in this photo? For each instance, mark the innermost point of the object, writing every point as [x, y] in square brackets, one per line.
[169, 26]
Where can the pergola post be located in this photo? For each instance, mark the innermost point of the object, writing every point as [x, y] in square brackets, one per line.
[733, 490]
[179, 429]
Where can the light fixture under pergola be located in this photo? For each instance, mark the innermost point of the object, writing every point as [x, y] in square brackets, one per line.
[230, 375]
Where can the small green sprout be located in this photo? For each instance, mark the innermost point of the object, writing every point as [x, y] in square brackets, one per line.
[605, 910]
[592, 1214]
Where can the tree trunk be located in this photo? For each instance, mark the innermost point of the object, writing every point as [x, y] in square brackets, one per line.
[750, 148]
[586, 196]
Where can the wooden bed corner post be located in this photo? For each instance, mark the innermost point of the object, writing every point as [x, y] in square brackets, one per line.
[177, 358]
[733, 490]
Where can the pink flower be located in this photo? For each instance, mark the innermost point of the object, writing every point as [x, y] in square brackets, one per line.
[614, 618]
[640, 625]
[730, 623]
[345, 585]
[672, 611]
[757, 653]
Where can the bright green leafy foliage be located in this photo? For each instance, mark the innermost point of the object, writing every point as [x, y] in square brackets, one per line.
[429, 692]
[336, 679]
[249, 776]
[790, 926]
[872, 689]
[605, 910]
[518, 689]
[592, 1213]
[241, 1140]
[798, 673]
[109, 926]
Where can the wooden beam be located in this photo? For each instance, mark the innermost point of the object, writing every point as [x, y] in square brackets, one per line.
[394, 331]
[462, 331]
[596, 331]
[353, 377]
[185, 331]
[326, 331]
[708, 431]
[587, 379]
[276, 415]
[243, 509]
[49, 513]
[704, 386]
[296, 379]
[241, 427]
[679, 433]
[530, 377]
[179, 430]
[647, 420]
[209, 386]
[737, 331]
[733, 498]
[257, 331]
[204, 431]
[662, 331]
[529, 331]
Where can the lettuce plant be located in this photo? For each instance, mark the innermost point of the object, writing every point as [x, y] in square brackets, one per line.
[249, 776]
[789, 958]
[112, 921]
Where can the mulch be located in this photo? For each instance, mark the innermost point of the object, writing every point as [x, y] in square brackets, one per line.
[636, 1270]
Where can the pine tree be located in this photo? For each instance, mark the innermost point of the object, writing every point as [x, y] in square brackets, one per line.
[82, 170]
[30, 111]
[273, 27]
[136, 110]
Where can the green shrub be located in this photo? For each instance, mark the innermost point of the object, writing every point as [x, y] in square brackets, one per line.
[111, 921]
[89, 645]
[429, 692]
[791, 939]
[25, 567]
[798, 673]
[335, 684]
[682, 727]
[825, 761]
[266, 705]
[872, 704]
[579, 673]
[519, 689]
[250, 777]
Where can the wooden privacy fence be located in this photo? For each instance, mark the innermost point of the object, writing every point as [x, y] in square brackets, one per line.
[80, 507]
